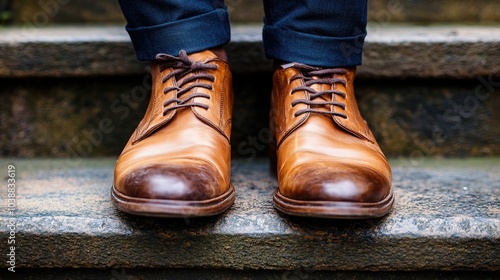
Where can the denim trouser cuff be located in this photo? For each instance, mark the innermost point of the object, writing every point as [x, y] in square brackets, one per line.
[292, 46]
[193, 34]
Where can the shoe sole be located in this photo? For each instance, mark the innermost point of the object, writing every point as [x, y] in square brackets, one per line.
[332, 209]
[172, 208]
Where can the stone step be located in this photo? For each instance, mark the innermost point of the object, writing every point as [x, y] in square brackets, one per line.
[247, 274]
[391, 51]
[446, 218]
[429, 91]
[381, 11]
[96, 116]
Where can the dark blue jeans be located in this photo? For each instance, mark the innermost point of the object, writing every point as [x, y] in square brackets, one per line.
[327, 33]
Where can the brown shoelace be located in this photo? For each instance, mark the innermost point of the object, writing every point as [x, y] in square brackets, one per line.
[316, 75]
[182, 66]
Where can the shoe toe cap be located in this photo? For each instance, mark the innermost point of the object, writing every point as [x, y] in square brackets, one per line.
[335, 184]
[193, 183]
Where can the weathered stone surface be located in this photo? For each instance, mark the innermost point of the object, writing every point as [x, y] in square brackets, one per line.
[446, 217]
[431, 52]
[227, 274]
[43, 12]
[381, 11]
[66, 51]
[428, 11]
[96, 116]
[430, 118]
[459, 52]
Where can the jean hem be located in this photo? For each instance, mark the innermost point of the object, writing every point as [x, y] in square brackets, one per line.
[292, 46]
[193, 34]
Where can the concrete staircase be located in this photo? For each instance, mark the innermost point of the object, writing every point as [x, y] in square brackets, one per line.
[72, 92]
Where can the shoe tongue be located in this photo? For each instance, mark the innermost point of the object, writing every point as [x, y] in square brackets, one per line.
[202, 56]
[322, 98]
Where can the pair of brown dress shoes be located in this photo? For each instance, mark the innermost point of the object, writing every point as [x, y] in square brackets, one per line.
[177, 162]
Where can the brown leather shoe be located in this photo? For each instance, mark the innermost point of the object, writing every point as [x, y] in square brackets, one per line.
[177, 162]
[328, 162]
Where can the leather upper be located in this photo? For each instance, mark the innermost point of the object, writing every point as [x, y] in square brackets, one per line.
[329, 154]
[181, 153]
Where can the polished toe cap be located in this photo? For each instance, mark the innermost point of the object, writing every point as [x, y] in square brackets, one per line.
[193, 183]
[336, 184]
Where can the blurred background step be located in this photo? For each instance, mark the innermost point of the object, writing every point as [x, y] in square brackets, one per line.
[96, 116]
[425, 91]
[446, 217]
[398, 51]
[380, 11]
[429, 88]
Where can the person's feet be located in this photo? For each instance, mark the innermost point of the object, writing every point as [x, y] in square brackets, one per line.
[328, 162]
[177, 162]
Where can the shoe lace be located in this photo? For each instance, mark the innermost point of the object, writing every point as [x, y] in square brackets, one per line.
[182, 66]
[316, 75]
